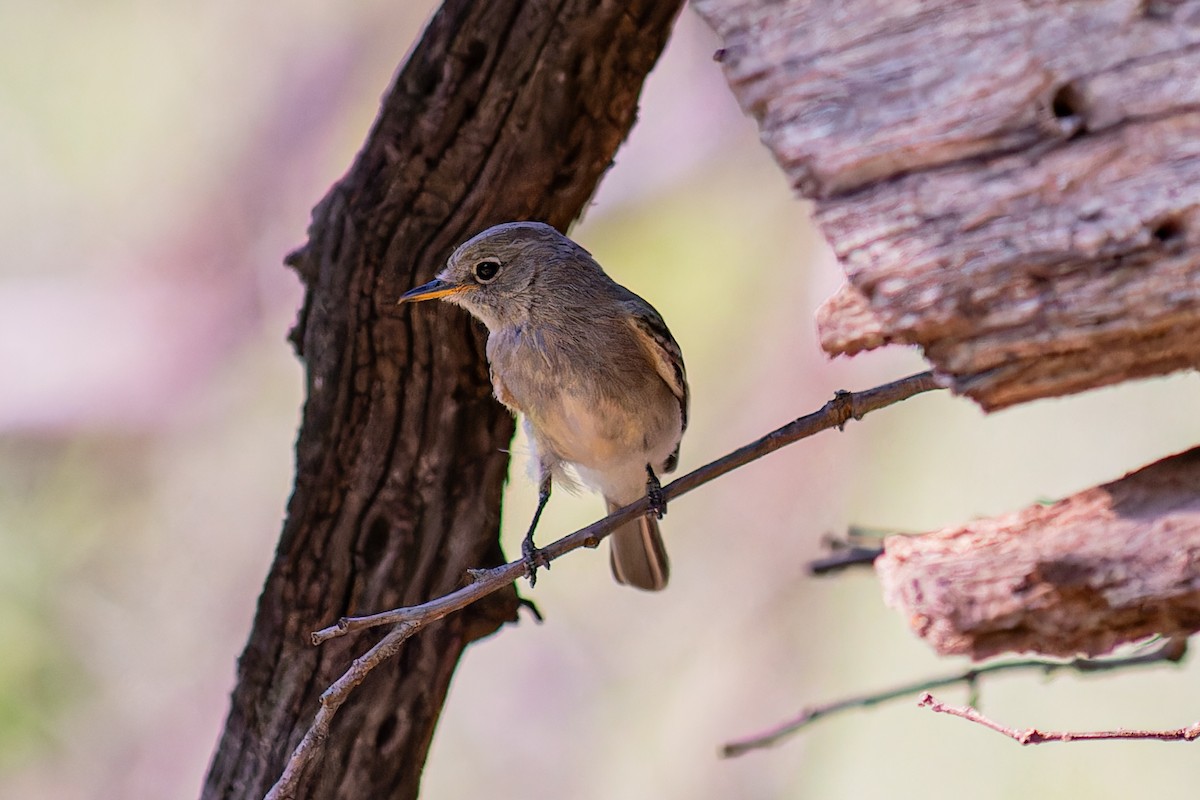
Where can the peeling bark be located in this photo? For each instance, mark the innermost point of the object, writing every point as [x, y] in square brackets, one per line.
[1012, 186]
[1109, 565]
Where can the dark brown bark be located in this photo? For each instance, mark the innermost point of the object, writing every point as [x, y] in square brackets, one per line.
[1013, 186]
[506, 109]
[1110, 565]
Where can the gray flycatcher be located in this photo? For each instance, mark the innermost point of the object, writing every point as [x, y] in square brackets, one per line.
[590, 365]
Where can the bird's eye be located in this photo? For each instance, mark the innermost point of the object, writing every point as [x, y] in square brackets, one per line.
[486, 271]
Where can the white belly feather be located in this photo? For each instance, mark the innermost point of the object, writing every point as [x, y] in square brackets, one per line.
[574, 419]
[608, 444]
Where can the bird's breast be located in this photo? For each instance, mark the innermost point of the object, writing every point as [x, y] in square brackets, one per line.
[598, 406]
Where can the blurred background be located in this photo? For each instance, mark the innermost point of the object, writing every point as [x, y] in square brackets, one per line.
[158, 161]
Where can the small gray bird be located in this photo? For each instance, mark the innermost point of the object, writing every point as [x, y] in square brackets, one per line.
[590, 365]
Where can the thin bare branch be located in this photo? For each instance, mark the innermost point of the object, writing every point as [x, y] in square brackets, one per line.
[843, 558]
[312, 746]
[844, 407]
[858, 547]
[835, 414]
[1170, 651]
[1035, 736]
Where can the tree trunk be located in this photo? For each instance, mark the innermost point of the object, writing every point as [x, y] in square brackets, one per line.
[506, 109]
[1013, 186]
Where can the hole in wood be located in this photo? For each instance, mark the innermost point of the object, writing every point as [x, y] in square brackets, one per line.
[376, 541]
[385, 731]
[1168, 231]
[1069, 108]
[476, 54]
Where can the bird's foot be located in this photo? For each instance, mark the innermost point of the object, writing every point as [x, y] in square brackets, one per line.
[533, 557]
[654, 493]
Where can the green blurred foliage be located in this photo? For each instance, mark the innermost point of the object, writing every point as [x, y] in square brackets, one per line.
[41, 674]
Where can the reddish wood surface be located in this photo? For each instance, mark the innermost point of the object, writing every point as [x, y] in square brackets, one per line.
[1109, 565]
[1013, 186]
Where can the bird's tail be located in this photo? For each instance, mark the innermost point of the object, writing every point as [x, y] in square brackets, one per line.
[639, 558]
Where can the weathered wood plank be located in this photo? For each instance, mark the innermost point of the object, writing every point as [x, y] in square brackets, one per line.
[1109, 565]
[1013, 186]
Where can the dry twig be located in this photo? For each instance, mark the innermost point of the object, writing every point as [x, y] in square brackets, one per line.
[313, 743]
[834, 414]
[844, 407]
[1035, 736]
[844, 558]
[1170, 651]
[843, 553]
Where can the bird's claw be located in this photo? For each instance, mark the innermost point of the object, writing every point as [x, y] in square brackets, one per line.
[533, 558]
[654, 493]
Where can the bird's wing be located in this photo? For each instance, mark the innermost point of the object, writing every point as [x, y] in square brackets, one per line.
[658, 343]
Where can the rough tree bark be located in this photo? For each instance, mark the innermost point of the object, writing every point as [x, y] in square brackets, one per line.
[506, 109]
[1015, 188]
[1107, 566]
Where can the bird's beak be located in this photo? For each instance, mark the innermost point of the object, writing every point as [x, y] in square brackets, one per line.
[429, 291]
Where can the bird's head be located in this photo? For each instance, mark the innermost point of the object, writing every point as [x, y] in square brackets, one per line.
[500, 275]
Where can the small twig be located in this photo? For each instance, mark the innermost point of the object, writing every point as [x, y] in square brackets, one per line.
[1170, 651]
[313, 743]
[844, 558]
[834, 414]
[1035, 736]
[859, 547]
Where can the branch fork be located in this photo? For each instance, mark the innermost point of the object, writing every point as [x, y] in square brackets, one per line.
[843, 407]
